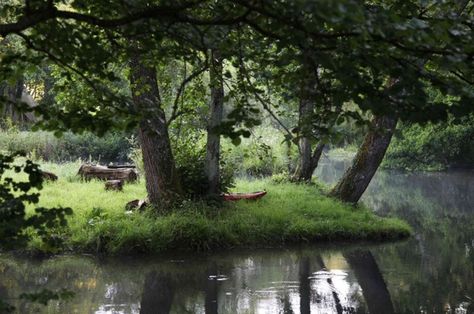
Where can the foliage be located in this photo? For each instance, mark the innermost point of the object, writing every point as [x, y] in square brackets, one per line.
[432, 146]
[44, 223]
[190, 156]
[264, 153]
[355, 46]
[45, 295]
[112, 147]
[282, 177]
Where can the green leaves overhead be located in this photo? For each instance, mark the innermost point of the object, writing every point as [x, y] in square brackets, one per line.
[356, 48]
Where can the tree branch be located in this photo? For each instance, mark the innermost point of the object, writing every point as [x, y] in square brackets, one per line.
[175, 113]
[157, 12]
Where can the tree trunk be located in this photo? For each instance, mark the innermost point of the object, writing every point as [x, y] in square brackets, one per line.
[162, 182]
[305, 169]
[13, 94]
[356, 179]
[304, 145]
[213, 136]
[48, 95]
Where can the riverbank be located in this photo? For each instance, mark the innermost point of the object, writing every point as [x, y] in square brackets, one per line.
[288, 214]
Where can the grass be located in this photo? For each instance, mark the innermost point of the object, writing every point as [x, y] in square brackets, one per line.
[288, 214]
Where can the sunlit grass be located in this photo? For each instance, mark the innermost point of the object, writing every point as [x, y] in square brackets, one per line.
[288, 214]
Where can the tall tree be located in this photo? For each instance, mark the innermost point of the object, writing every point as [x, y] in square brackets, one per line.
[216, 108]
[162, 181]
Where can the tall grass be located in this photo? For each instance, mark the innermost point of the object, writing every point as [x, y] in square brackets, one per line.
[288, 214]
[42, 145]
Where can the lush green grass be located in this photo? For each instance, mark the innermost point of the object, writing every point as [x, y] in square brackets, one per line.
[288, 214]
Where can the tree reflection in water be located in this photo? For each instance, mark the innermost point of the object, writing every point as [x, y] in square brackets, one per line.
[370, 279]
[158, 293]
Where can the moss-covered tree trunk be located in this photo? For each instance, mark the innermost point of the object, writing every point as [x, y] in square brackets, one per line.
[162, 181]
[216, 107]
[367, 160]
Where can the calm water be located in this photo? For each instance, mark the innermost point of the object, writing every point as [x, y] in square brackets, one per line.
[432, 272]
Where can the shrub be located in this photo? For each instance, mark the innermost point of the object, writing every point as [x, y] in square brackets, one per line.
[261, 155]
[432, 146]
[112, 147]
[190, 157]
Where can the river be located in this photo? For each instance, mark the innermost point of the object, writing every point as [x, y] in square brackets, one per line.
[432, 272]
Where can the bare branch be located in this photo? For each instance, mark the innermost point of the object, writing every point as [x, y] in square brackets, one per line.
[175, 113]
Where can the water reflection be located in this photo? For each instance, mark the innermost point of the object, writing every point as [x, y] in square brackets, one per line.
[311, 280]
[432, 272]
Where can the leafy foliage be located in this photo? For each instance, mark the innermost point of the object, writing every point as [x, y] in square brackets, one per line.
[433, 146]
[43, 145]
[190, 155]
[14, 195]
[355, 47]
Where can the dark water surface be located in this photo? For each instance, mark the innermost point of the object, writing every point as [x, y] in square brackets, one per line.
[432, 272]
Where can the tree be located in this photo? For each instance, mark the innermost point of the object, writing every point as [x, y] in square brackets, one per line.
[162, 181]
[357, 178]
[216, 107]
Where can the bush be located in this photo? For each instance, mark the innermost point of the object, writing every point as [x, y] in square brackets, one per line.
[113, 147]
[279, 178]
[433, 146]
[261, 155]
[190, 157]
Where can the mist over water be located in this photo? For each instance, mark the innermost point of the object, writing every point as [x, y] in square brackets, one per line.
[432, 272]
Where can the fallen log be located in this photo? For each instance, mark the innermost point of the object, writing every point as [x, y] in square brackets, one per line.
[88, 172]
[114, 185]
[48, 176]
[137, 204]
[120, 166]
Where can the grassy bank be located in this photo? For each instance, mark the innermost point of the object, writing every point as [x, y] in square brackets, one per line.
[288, 214]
